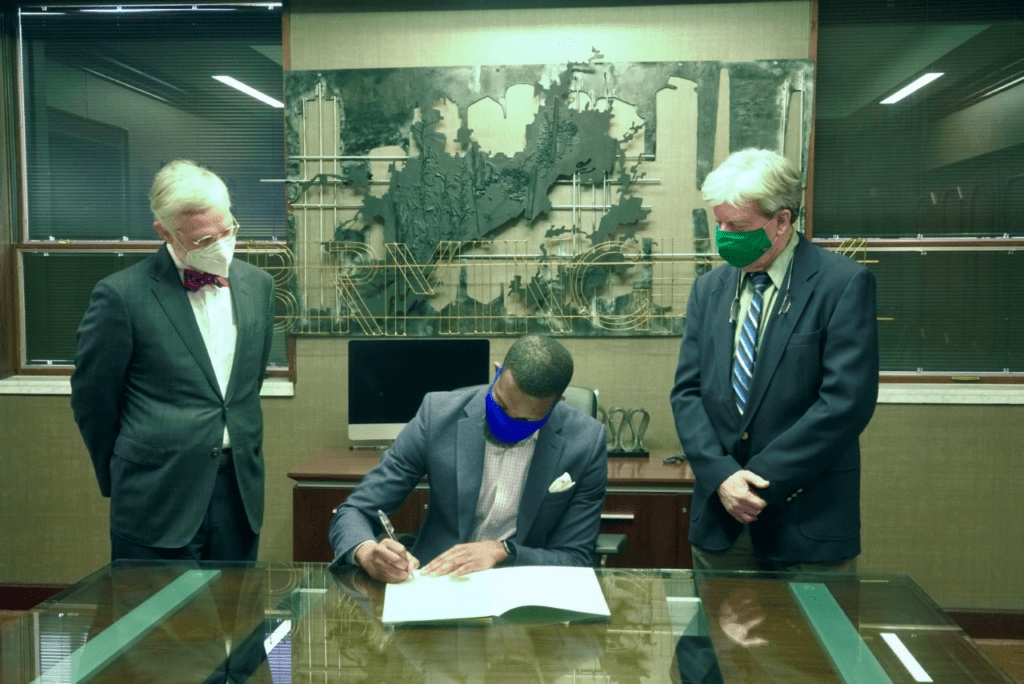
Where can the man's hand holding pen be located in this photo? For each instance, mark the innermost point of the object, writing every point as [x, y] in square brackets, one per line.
[388, 560]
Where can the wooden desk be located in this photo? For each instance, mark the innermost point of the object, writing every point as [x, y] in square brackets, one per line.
[648, 501]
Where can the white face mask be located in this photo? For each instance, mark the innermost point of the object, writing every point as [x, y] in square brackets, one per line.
[213, 258]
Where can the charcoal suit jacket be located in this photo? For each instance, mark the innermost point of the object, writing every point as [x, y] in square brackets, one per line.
[148, 405]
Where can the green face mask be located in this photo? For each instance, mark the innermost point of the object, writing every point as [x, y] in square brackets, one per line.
[741, 249]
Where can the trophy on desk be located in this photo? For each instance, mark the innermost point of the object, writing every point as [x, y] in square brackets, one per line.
[626, 430]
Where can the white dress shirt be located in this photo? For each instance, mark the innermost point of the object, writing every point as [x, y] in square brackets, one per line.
[501, 487]
[214, 313]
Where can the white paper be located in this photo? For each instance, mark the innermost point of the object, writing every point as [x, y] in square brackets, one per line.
[491, 593]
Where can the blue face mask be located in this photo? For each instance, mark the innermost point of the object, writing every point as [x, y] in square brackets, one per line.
[504, 427]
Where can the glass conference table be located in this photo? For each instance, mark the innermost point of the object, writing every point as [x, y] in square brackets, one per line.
[280, 622]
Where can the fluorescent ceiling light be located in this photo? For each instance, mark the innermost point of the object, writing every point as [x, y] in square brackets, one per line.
[907, 90]
[227, 80]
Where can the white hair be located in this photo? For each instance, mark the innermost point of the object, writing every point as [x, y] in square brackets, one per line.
[183, 187]
[753, 175]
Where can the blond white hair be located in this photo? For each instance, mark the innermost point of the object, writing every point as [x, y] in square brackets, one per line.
[754, 175]
[183, 187]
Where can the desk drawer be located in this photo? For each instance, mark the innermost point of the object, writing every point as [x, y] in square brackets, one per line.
[656, 528]
[313, 507]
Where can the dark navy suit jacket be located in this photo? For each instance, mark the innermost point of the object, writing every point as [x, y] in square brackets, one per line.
[813, 392]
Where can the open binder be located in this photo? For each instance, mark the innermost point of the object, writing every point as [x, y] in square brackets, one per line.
[529, 594]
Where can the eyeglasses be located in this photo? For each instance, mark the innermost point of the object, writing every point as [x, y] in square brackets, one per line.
[719, 227]
[210, 239]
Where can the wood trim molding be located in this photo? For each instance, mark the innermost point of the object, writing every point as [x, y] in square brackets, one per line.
[143, 246]
[966, 379]
[8, 303]
[989, 623]
[25, 596]
[293, 370]
[809, 189]
[934, 244]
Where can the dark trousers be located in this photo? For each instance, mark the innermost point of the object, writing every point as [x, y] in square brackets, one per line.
[224, 534]
[742, 556]
[697, 661]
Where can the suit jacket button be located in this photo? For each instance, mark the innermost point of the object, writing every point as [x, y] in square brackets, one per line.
[746, 435]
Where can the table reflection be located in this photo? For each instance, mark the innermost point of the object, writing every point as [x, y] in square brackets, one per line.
[285, 622]
[628, 646]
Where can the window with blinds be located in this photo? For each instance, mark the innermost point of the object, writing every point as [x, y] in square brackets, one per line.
[109, 95]
[928, 181]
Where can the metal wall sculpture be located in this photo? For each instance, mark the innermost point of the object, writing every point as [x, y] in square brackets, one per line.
[403, 223]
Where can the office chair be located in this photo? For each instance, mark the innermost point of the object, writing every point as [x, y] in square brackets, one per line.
[585, 399]
[582, 398]
[608, 545]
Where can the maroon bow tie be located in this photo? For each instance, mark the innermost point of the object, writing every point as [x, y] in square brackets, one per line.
[194, 280]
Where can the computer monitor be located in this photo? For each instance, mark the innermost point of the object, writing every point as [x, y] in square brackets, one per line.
[387, 379]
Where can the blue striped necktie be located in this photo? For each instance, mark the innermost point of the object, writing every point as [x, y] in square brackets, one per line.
[746, 350]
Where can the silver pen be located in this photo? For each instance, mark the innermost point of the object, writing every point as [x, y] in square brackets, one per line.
[389, 528]
[387, 524]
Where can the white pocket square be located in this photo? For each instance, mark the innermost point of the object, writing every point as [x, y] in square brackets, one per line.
[561, 484]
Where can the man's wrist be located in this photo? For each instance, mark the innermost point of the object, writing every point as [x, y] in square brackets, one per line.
[510, 553]
[354, 560]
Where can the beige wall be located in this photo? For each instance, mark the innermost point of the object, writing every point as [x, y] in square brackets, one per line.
[941, 488]
[941, 483]
[321, 39]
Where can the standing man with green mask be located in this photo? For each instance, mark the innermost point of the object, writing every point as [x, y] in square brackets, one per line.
[777, 378]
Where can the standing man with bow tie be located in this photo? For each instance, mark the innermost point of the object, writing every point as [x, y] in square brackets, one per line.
[171, 357]
[777, 378]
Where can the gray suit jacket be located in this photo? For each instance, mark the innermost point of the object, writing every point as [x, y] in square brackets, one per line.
[147, 401]
[813, 392]
[445, 443]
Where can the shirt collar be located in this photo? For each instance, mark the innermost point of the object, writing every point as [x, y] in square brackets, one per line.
[530, 442]
[778, 268]
[177, 262]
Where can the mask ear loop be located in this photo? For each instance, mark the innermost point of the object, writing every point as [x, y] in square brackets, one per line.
[787, 300]
[734, 309]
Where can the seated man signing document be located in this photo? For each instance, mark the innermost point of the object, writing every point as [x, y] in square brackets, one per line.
[517, 477]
